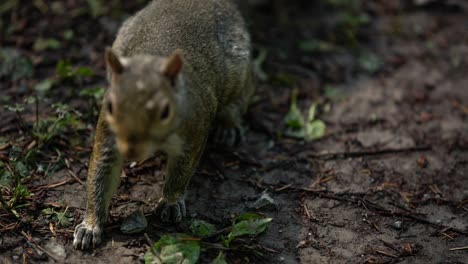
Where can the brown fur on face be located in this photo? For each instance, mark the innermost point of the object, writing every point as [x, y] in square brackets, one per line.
[142, 108]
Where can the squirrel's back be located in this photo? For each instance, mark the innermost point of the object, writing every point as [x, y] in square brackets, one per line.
[211, 34]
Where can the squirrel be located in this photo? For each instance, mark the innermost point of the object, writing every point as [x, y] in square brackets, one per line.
[180, 74]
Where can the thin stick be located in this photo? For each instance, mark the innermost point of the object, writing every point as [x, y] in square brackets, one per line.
[357, 154]
[459, 248]
[31, 242]
[75, 177]
[51, 186]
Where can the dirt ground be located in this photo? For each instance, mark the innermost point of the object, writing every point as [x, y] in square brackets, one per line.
[388, 183]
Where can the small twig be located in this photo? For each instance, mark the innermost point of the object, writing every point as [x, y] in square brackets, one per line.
[247, 160]
[63, 214]
[386, 253]
[75, 177]
[448, 236]
[306, 210]
[219, 232]
[463, 203]
[283, 187]
[217, 246]
[9, 227]
[150, 241]
[389, 245]
[4, 147]
[374, 225]
[51, 186]
[459, 248]
[358, 154]
[31, 242]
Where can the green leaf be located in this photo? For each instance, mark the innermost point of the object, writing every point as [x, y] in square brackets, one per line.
[96, 7]
[21, 169]
[14, 66]
[15, 108]
[6, 179]
[247, 216]
[21, 191]
[369, 62]
[174, 250]
[42, 44]
[294, 118]
[150, 258]
[247, 227]
[315, 130]
[333, 93]
[202, 228]
[63, 69]
[44, 86]
[83, 72]
[220, 259]
[96, 92]
[316, 46]
[48, 211]
[312, 110]
[64, 219]
[68, 34]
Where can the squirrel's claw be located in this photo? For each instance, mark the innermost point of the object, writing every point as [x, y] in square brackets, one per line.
[227, 137]
[86, 236]
[173, 212]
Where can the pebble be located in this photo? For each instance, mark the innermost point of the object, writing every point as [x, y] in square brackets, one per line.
[56, 249]
[134, 223]
[397, 224]
[264, 202]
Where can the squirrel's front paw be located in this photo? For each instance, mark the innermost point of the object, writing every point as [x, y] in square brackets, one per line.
[87, 236]
[173, 212]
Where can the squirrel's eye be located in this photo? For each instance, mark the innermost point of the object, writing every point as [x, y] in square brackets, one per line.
[109, 107]
[165, 112]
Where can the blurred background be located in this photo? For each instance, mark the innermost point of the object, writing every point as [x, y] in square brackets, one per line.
[333, 76]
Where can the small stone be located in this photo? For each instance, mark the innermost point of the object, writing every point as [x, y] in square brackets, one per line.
[265, 202]
[397, 225]
[56, 249]
[134, 223]
[17, 252]
[302, 244]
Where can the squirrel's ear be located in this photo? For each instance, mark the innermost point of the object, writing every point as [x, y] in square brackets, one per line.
[171, 68]
[113, 62]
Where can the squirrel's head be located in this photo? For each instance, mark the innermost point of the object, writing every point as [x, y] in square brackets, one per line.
[141, 105]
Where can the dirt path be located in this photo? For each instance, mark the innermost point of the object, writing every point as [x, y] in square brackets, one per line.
[388, 183]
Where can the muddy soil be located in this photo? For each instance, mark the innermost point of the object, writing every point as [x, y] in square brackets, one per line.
[388, 183]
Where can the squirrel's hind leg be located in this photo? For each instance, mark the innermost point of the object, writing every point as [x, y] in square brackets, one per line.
[227, 131]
